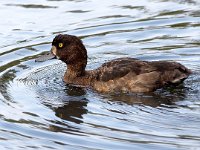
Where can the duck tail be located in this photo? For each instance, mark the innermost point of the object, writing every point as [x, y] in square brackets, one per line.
[179, 75]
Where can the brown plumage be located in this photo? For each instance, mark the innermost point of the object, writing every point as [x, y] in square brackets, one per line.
[118, 75]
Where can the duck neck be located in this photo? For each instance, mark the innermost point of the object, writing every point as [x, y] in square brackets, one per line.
[75, 70]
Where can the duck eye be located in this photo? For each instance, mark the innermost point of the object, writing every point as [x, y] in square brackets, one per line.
[60, 45]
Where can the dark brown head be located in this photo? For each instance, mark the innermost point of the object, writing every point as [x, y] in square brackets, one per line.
[69, 49]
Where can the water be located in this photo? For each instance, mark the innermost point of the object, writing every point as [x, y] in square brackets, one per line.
[38, 111]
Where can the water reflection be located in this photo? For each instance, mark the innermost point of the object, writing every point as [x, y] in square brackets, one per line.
[5, 80]
[74, 106]
[31, 6]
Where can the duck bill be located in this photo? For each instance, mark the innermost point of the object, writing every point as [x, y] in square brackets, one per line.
[47, 56]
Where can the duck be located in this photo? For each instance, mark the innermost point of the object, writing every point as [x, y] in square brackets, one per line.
[129, 75]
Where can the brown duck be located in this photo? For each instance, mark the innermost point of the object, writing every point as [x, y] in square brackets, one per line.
[118, 75]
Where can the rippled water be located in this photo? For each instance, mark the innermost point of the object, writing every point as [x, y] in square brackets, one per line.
[38, 111]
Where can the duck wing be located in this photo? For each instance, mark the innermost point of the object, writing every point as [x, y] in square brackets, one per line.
[120, 67]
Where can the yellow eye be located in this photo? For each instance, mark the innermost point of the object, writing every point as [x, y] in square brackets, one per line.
[60, 45]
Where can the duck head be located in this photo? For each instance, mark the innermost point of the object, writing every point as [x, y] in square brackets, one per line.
[70, 50]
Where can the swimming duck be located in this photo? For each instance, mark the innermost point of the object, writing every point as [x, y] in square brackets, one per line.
[118, 75]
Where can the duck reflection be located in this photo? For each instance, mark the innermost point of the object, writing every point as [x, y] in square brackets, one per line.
[165, 96]
[74, 107]
[72, 111]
